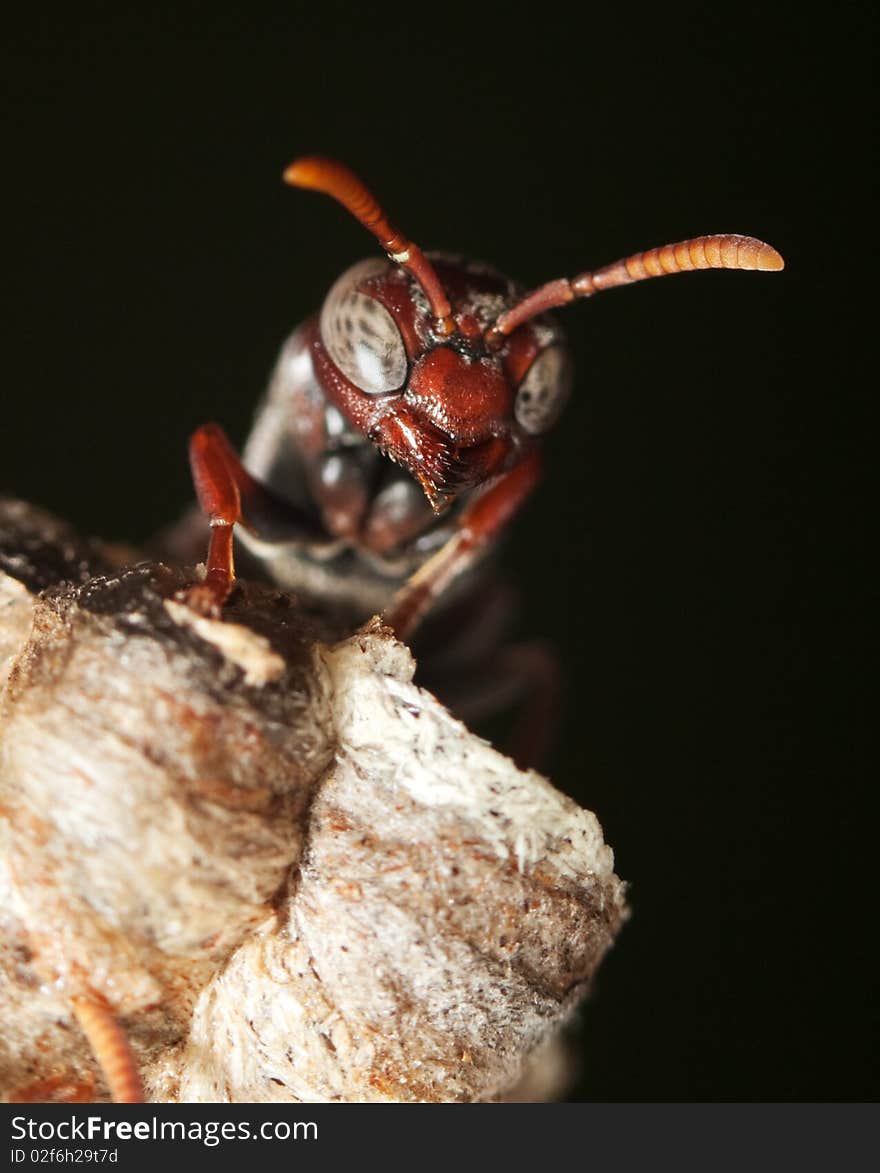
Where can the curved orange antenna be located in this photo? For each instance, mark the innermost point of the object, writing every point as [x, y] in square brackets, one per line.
[112, 1050]
[333, 179]
[700, 252]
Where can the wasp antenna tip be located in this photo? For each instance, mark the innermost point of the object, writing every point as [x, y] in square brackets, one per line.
[770, 261]
[292, 174]
[304, 171]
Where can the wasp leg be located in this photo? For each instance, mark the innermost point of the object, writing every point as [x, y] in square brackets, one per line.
[112, 1050]
[229, 495]
[511, 692]
[478, 524]
[524, 679]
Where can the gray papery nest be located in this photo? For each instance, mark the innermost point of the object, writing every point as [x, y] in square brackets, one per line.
[285, 871]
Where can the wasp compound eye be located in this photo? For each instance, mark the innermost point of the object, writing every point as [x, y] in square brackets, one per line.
[543, 392]
[361, 336]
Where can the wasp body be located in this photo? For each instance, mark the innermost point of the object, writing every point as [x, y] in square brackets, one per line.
[381, 477]
[402, 427]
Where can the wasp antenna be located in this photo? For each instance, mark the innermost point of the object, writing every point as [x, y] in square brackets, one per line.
[111, 1048]
[700, 252]
[335, 180]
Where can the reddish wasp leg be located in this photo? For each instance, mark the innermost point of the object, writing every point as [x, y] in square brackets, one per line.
[220, 500]
[535, 668]
[229, 495]
[111, 1049]
[479, 523]
[525, 678]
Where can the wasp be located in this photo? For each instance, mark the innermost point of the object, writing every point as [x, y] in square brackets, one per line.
[400, 434]
[402, 428]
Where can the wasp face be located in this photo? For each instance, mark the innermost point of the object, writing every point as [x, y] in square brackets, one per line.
[449, 409]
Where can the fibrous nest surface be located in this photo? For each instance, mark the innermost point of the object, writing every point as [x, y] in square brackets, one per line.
[288, 872]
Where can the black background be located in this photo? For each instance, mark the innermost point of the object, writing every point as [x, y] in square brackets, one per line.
[696, 551]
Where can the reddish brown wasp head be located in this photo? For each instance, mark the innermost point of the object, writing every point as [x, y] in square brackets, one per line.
[449, 410]
[443, 363]
[400, 348]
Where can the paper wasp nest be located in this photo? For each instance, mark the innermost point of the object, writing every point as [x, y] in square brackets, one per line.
[288, 871]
